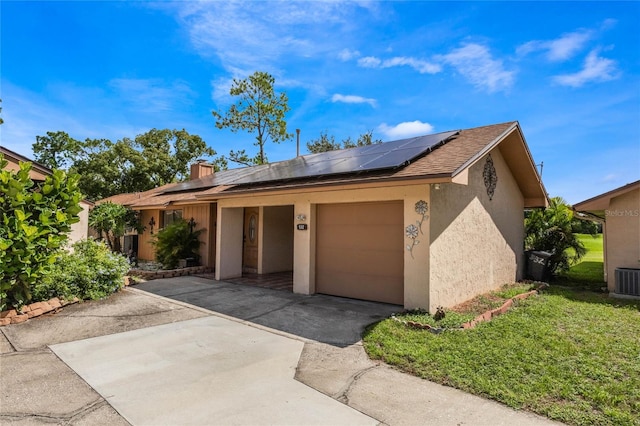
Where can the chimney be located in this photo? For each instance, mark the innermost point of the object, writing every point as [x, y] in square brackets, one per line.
[201, 169]
[298, 143]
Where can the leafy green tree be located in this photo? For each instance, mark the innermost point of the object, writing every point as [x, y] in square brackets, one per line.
[323, 144]
[259, 110]
[56, 150]
[176, 241]
[550, 230]
[363, 140]
[1, 120]
[35, 220]
[328, 143]
[151, 159]
[585, 226]
[111, 220]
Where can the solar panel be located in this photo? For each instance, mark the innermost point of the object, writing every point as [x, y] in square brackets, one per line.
[387, 155]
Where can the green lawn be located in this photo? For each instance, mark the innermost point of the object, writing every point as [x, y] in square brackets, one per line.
[570, 355]
[589, 272]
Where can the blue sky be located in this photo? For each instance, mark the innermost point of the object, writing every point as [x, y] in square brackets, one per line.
[569, 72]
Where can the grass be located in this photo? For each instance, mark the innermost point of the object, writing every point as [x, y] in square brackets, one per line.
[460, 314]
[589, 272]
[573, 356]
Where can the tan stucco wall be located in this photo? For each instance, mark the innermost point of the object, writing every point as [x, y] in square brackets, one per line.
[415, 269]
[80, 230]
[476, 243]
[229, 242]
[622, 234]
[277, 239]
[33, 174]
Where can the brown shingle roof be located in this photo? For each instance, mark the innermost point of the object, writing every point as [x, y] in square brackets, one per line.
[443, 162]
[450, 157]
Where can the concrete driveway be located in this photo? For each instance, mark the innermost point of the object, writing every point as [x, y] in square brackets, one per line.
[336, 321]
[139, 358]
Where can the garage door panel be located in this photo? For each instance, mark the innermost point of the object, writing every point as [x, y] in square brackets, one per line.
[371, 239]
[359, 251]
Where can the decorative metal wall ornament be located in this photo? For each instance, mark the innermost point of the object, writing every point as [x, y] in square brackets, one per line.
[490, 177]
[412, 231]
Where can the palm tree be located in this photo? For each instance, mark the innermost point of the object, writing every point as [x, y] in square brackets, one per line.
[550, 230]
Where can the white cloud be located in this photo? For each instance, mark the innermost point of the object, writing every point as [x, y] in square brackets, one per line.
[595, 69]
[369, 62]
[347, 55]
[151, 95]
[353, 99]
[422, 66]
[560, 49]
[251, 36]
[474, 62]
[567, 45]
[405, 130]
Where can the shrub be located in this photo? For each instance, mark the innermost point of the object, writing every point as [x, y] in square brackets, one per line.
[550, 230]
[34, 222]
[110, 220]
[176, 241]
[91, 271]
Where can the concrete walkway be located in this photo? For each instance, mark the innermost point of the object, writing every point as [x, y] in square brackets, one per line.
[142, 359]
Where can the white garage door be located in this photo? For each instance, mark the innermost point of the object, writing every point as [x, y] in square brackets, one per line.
[359, 251]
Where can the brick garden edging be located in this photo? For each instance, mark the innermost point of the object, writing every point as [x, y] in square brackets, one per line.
[487, 316]
[32, 310]
[13, 316]
[168, 273]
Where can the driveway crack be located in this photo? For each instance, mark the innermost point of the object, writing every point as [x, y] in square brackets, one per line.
[272, 310]
[343, 394]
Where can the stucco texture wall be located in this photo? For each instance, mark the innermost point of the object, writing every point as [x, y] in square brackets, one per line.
[80, 230]
[277, 239]
[476, 243]
[622, 234]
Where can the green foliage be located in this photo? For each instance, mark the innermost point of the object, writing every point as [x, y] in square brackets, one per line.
[589, 272]
[328, 142]
[56, 150]
[584, 226]
[110, 220]
[176, 241]
[259, 110]
[571, 356]
[151, 159]
[91, 271]
[34, 223]
[550, 230]
[1, 120]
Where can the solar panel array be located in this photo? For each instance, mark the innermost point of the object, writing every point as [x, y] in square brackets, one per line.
[387, 155]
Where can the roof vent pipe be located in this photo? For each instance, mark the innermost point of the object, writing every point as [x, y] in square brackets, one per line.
[298, 143]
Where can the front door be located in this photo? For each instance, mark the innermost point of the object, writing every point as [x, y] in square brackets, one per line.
[250, 246]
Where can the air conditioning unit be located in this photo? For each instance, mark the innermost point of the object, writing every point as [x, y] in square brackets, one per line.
[628, 281]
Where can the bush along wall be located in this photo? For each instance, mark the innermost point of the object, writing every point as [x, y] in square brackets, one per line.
[35, 219]
[90, 271]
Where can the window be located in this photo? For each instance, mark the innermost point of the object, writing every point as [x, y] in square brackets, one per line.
[171, 216]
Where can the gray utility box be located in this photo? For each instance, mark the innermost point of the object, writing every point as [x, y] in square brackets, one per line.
[538, 265]
[628, 281]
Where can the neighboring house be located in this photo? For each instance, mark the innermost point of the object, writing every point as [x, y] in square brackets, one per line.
[421, 222]
[619, 211]
[39, 173]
